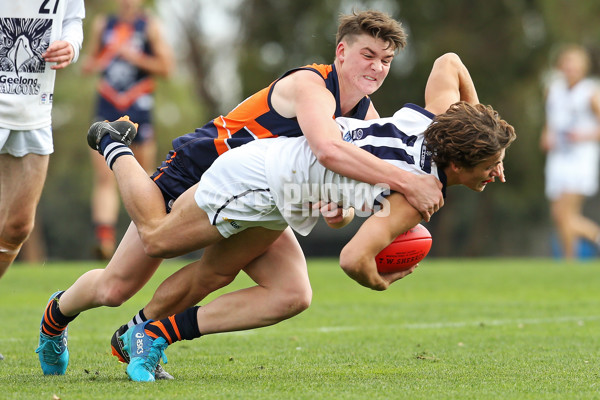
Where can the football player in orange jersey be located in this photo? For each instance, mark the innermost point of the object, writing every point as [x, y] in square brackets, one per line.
[303, 101]
[248, 197]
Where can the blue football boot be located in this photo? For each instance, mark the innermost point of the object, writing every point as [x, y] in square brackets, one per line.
[116, 345]
[52, 350]
[144, 353]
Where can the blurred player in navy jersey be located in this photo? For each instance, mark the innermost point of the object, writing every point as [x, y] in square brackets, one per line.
[128, 50]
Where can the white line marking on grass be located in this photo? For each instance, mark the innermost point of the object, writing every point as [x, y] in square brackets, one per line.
[333, 329]
[460, 324]
[435, 325]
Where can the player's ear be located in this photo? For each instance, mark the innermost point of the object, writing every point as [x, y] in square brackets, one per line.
[455, 168]
[340, 50]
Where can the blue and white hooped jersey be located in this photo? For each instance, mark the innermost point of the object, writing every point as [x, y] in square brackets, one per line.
[398, 140]
[297, 180]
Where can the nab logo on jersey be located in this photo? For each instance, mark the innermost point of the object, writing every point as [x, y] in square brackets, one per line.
[351, 136]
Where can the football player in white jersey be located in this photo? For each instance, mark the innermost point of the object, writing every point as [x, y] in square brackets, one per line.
[36, 38]
[571, 138]
[302, 102]
[465, 143]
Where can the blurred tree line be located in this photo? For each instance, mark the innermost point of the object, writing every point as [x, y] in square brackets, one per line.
[506, 44]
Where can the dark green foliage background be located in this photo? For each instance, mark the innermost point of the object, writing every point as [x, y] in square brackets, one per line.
[506, 44]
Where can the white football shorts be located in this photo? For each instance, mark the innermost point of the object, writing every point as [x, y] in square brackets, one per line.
[20, 143]
[574, 171]
[235, 194]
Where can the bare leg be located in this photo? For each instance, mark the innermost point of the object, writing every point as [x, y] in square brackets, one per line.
[34, 248]
[127, 272]
[571, 224]
[185, 229]
[142, 198]
[21, 183]
[282, 291]
[105, 197]
[560, 215]
[582, 226]
[194, 282]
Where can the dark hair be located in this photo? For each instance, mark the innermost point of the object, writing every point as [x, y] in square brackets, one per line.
[374, 23]
[467, 135]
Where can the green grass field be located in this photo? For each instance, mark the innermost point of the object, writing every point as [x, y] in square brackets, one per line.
[455, 329]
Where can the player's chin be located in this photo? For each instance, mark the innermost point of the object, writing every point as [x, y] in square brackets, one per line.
[370, 86]
[479, 187]
[483, 185]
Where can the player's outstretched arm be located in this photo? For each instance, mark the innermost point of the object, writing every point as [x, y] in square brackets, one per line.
[357, 258]
[448, 83]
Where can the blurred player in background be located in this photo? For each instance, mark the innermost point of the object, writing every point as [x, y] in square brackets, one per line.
[249, 196]
[570, 137]
[36, 39]
[128, 49]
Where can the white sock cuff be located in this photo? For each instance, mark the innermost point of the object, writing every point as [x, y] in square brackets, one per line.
[115, 150]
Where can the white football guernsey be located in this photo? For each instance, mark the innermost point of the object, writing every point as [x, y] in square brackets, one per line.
[27, 28]
[297, 180]
[571, 167]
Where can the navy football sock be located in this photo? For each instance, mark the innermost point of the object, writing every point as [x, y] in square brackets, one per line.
[111, 150]
[182, 326]
[55, 322]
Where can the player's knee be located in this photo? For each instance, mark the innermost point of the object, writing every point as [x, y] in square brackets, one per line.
[559, 215]
[16, 231]
[154, 245]
[295, 301]
[113, 297]
[8, 253]
[153, 248]
[154, 251]
[112, 294]
[304, 299]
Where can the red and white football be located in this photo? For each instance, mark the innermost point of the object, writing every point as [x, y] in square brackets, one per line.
[405, 251]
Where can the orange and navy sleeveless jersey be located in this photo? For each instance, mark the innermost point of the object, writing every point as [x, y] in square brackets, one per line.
[122, 85]
[252, 119]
